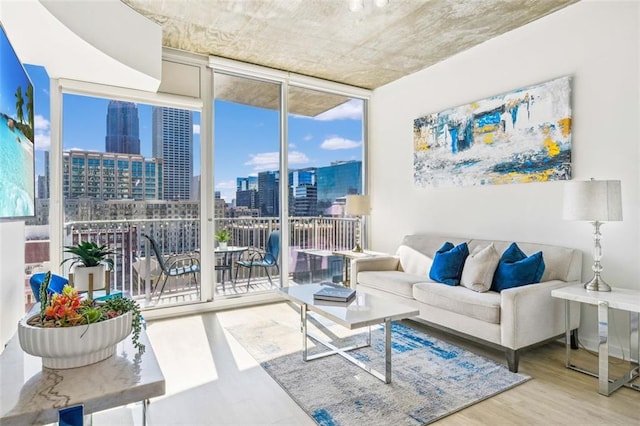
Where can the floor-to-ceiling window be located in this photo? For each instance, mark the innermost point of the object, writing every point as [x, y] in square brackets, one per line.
[264, 120]
[113, 193]
[326, 129]
[247, 179]
[130, 181]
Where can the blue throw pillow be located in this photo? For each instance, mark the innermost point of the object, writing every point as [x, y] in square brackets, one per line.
[448, 263]
[516, 269]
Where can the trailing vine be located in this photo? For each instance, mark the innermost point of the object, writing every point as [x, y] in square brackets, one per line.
[122, 305]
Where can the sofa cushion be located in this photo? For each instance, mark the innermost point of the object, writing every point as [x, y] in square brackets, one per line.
[448, 263]
[395, 282]
[482, 306]
[515, 269]
[413, 261]
[479, 268]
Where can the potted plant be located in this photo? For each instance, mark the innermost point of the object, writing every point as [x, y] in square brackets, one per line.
[70, 331]
[223, 237]
[89, 258]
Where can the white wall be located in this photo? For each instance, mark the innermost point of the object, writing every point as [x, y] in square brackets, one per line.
[595, 42]
[11, 279]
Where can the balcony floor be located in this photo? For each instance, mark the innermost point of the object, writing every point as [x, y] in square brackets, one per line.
[177, 295]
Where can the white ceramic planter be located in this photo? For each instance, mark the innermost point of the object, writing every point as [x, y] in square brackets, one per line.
[81, 277]
[222, 245]
[70, 347]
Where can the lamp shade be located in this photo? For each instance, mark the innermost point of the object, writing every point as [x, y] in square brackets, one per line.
[592, 200]
[358, 205]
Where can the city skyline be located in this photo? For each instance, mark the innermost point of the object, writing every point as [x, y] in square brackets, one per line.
[247, 138]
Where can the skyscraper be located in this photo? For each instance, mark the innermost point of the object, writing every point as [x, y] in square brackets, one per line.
[337, 180]
[303, 193]
[172, 141]
[247, 192]
[123, 128]
[268, 193]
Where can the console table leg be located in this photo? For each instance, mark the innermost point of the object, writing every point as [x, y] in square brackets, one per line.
[387, 350]
[145, 403]
[567, 332]
[603, 348]
[634, 339]
[303, 318]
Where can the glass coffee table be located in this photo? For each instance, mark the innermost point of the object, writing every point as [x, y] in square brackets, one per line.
[364, 310]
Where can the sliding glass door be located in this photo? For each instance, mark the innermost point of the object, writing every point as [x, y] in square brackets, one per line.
[326, 136]
[130, 181]
[264, 124]
[247, 178]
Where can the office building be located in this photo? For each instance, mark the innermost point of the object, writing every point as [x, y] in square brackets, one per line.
[303, 192]
[123, 128]
[247, 192]
[110, 176]
[172, 141]
[337, 180]
[268, 193]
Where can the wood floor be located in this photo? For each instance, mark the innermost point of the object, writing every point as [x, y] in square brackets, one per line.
[211, 380]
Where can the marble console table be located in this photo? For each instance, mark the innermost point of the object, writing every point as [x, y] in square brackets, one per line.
[31, 394]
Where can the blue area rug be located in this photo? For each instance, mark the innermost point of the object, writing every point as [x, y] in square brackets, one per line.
[430, 379]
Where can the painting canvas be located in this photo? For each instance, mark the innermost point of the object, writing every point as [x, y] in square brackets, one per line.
[521, 136]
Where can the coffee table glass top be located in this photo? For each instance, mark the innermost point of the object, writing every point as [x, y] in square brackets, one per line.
[365, 309]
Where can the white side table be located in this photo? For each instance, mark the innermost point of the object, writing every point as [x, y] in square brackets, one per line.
[349, 255]
[617, 298]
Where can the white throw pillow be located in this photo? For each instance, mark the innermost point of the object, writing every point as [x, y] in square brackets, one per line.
[479, 268]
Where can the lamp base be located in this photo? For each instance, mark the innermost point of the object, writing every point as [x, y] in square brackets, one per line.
[597, 284]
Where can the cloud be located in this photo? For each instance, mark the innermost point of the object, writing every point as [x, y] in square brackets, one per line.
[227, 190]
[351, 110]
[335, 143]
[227, 184]
[196, 129]
[42, 133]
[271, 160]
[307, 138]
[292, 145]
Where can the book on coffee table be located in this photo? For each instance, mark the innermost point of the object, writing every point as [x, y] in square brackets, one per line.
[335, 294]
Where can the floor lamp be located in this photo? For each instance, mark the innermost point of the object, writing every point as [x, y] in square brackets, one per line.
[595, 201]
[358, 206]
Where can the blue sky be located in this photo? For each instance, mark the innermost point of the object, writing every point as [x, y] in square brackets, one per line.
[247, 138]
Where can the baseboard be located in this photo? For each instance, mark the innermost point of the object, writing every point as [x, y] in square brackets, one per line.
[615, 350]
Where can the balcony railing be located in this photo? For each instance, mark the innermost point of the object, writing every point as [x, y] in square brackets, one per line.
[310, 237]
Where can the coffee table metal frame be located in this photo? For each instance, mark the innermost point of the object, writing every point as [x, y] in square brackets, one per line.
[377, 311]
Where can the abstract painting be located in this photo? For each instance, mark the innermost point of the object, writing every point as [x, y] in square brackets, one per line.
[520, 136]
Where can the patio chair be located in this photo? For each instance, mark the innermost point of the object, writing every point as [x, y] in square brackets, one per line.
[261, 258]
[174, 265]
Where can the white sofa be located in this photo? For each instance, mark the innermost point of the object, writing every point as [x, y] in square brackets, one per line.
[512, 320]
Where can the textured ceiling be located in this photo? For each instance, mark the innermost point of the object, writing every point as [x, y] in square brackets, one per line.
[322, 38]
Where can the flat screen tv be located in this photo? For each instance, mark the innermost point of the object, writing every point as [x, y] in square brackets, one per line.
[17, 180]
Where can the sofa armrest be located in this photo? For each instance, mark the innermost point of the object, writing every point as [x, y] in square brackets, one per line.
[529, 314]
[376, 263]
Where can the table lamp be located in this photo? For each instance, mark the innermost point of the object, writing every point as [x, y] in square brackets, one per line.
[595, 201]
[358, 206]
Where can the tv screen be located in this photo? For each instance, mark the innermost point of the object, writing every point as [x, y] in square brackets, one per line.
[17, 181]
